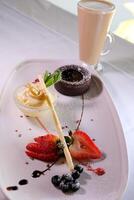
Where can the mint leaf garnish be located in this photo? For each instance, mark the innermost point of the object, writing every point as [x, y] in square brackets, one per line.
[51, 79]
[46, 75]
[57, 76]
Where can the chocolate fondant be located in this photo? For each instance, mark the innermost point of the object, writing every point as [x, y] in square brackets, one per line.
[75, 80]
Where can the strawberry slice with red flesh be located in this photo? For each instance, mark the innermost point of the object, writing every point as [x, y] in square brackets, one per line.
[38, 148]
[47, 142]
[49, 138]
[44, 148]
[50, 157]
[83, 148]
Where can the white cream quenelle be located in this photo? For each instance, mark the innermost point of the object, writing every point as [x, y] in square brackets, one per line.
[31, 95]
[31, 100]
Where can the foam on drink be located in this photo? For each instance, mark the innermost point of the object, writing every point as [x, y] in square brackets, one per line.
[95, 5]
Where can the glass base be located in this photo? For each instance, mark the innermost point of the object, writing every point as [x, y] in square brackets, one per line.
[98, 67]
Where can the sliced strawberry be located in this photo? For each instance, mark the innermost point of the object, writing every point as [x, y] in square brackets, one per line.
[49, 142]
[38, 148]
[41, 148]
[51, 157]
[83, 148]
[44, 148]
[46, 139]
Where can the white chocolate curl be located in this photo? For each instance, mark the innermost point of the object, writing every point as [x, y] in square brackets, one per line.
[57, 124]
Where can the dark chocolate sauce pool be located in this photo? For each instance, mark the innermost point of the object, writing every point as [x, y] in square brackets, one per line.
[23, 182]
[10, 188]
[72, 75]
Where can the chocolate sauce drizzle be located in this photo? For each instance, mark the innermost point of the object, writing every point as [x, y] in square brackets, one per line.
[82, 111]
[37, 173]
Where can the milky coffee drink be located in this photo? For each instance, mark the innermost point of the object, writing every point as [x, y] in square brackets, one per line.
[94, 17]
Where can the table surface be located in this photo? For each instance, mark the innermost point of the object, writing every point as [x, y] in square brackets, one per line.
[23, 39]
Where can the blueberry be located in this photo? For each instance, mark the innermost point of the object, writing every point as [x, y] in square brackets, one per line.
[75, 186]
[75, 174]
[67, 178]
[65, 187]
[56, 180]
[78, 168]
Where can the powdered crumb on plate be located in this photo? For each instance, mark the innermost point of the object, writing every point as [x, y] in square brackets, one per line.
[19, 135]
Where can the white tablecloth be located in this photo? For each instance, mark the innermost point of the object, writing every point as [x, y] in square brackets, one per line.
[22, 39]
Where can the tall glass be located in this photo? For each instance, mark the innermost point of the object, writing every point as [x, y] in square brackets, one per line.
[94, 18]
